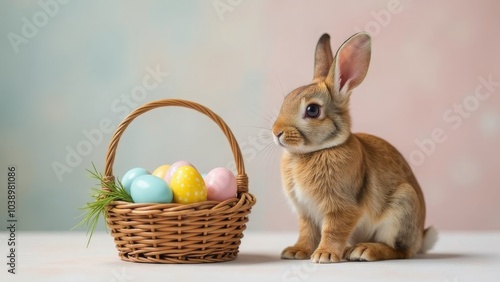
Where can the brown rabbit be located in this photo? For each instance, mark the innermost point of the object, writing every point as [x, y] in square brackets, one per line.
[355, 195]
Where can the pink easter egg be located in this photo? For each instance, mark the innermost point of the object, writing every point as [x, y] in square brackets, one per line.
[173, 168]
[221, 184]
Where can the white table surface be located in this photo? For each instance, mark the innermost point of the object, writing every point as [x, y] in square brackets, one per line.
[63, 256]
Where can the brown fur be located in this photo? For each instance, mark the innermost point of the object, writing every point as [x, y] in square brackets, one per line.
[355, 195]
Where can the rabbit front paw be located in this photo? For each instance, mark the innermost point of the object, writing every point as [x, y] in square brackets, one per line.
[322, 255]
[295, 252]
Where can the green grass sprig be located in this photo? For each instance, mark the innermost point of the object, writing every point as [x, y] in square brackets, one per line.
[102, 198]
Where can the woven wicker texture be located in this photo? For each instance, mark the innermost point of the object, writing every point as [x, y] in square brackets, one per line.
[208, 231]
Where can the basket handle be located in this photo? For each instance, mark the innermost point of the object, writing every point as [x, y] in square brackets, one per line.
[241, 178]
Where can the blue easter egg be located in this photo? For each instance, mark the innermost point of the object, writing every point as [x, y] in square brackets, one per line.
[150, 189]
[131, 175]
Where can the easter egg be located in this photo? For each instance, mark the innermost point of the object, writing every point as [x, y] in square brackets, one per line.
[221, 184]
[131, 175]
[150, 189]
[173, 168]
[188, 186]
[161, 171]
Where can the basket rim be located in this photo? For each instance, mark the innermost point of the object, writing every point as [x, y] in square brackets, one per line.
[241, 177]
[244, 201]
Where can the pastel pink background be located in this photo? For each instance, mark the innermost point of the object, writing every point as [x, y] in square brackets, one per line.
[425, 59]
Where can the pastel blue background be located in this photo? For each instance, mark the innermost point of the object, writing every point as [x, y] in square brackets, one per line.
[73, 74]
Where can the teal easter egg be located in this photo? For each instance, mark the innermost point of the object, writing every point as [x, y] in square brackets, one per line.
[131, 175]
[150, 189]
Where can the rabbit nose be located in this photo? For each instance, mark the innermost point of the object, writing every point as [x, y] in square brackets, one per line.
[278, 135]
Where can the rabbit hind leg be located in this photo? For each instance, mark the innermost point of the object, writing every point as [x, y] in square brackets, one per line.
[398, 234]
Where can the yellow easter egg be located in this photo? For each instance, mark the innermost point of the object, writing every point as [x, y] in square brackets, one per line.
[188, 186]
[161, 171]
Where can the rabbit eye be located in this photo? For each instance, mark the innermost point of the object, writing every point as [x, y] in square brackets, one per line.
[313, 111]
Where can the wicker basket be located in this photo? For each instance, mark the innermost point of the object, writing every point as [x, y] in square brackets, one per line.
[208, 231]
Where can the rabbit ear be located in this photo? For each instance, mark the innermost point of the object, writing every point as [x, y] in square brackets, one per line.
[350, 64]
[323, 58]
